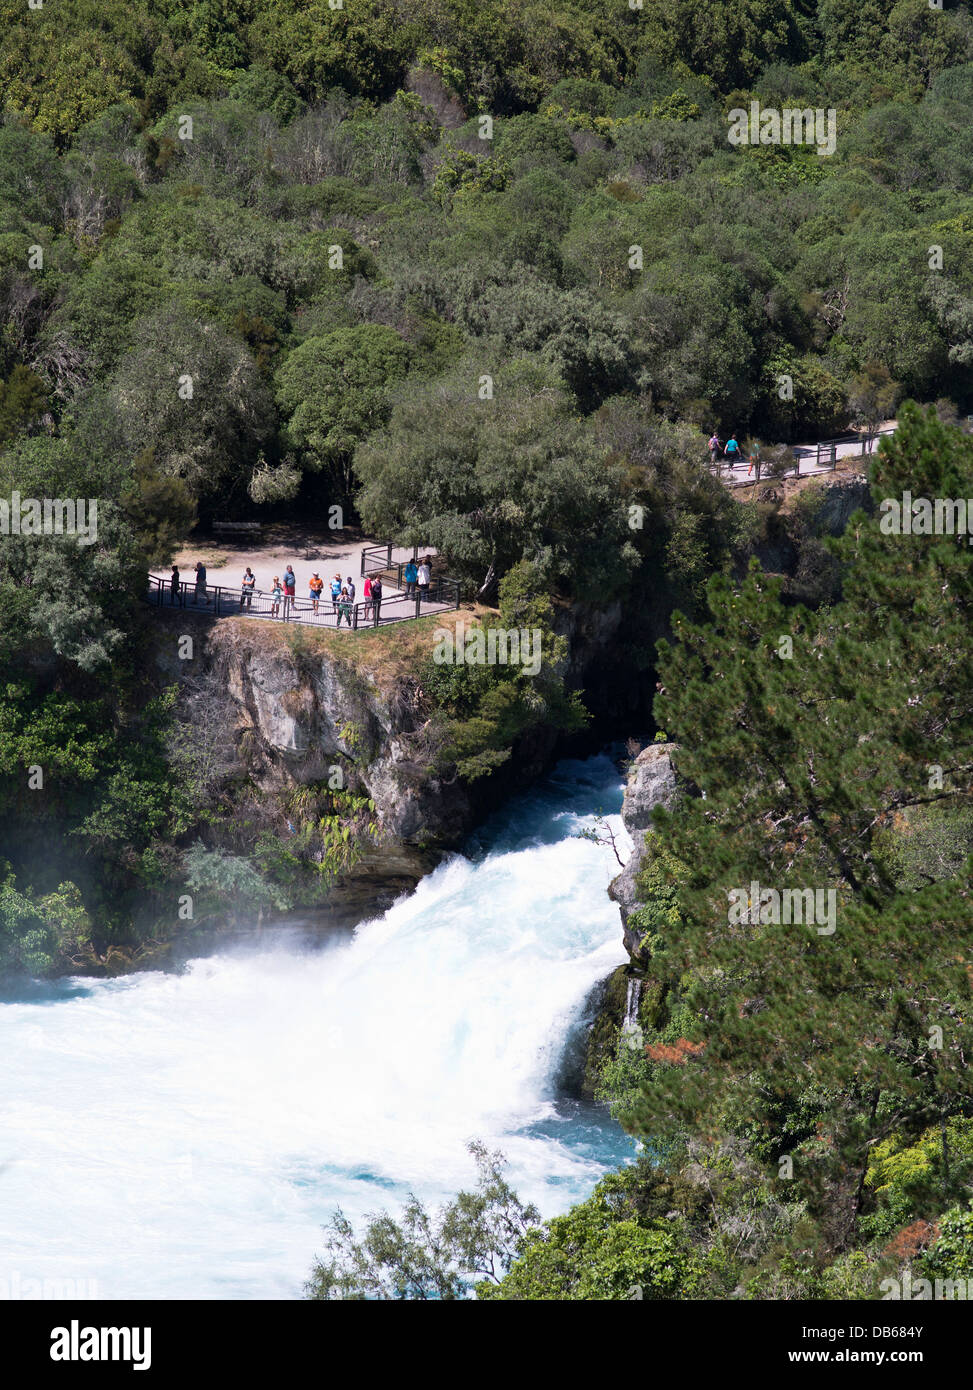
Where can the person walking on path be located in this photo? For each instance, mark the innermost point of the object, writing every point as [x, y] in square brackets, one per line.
[732, 450]
[410, 576]
[247, 588]
[315, 585]
[276, 593]
[367, 595]
[201, 583]
[714, 447]
[290, 582]
[174, 584]
[376, 598]
[423, 577]
[335, 593]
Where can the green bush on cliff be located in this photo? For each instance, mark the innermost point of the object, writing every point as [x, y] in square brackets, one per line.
[657, 888]
[602, 1249]
[327, 829]
[39, 934]
[225, 880]
[482, 709]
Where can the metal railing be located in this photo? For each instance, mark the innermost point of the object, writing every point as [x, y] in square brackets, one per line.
[823, 457]
[825, 452]
[377, 559]
[219, 601]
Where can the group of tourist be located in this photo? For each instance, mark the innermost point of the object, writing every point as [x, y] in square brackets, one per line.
[731, 450]
[343, 593]
[416, 577]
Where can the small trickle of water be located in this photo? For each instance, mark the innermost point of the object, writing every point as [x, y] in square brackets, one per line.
[632, 999]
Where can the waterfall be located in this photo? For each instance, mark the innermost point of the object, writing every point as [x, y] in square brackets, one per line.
[632, 999]
[186, 1135]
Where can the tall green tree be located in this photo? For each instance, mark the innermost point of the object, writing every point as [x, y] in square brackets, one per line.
[814, 740]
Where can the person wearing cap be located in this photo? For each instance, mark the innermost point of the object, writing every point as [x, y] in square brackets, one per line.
[315, 585]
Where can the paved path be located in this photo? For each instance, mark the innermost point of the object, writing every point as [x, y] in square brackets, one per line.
[226, 561]
[812, 458]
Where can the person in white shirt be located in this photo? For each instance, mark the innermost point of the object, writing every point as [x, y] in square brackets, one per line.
[423, 579]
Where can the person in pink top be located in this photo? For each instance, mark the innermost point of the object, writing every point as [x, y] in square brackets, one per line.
[367, 595]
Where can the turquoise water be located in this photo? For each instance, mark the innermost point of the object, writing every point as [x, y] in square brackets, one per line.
[186, 1135]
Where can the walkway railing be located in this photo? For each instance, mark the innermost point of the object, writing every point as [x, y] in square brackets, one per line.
[218, 601]
[825, 453]
[377, 559]
[822, 457]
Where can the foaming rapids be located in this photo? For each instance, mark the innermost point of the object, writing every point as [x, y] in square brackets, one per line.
[186, 1135]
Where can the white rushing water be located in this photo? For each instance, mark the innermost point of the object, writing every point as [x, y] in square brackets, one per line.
[187, 1135]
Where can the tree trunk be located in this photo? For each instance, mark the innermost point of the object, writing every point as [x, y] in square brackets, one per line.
[488, 589]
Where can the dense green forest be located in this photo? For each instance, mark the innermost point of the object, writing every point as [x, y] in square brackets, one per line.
[486, 276]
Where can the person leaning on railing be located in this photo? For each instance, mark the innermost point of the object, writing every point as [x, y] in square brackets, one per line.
[247, 587]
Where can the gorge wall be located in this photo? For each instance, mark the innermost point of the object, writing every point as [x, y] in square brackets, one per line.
[621, 1001]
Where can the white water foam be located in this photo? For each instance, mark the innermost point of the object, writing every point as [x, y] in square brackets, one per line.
[187, 1135]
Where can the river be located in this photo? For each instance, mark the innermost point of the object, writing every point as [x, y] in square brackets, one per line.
[186, 1135]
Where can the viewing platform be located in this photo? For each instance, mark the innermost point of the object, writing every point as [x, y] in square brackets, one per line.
[387, 561]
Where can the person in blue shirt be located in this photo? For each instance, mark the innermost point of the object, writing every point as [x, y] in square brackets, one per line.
[732, 450]
[410, 576]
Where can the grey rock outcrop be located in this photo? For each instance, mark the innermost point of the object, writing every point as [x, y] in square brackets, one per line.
[651, 783]
[293, 712]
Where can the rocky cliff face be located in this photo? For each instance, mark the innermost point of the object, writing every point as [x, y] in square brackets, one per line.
[286, 709]
[803, 510]
[294, 708]
[295, 711]
[651, 783]
[621, 1006]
